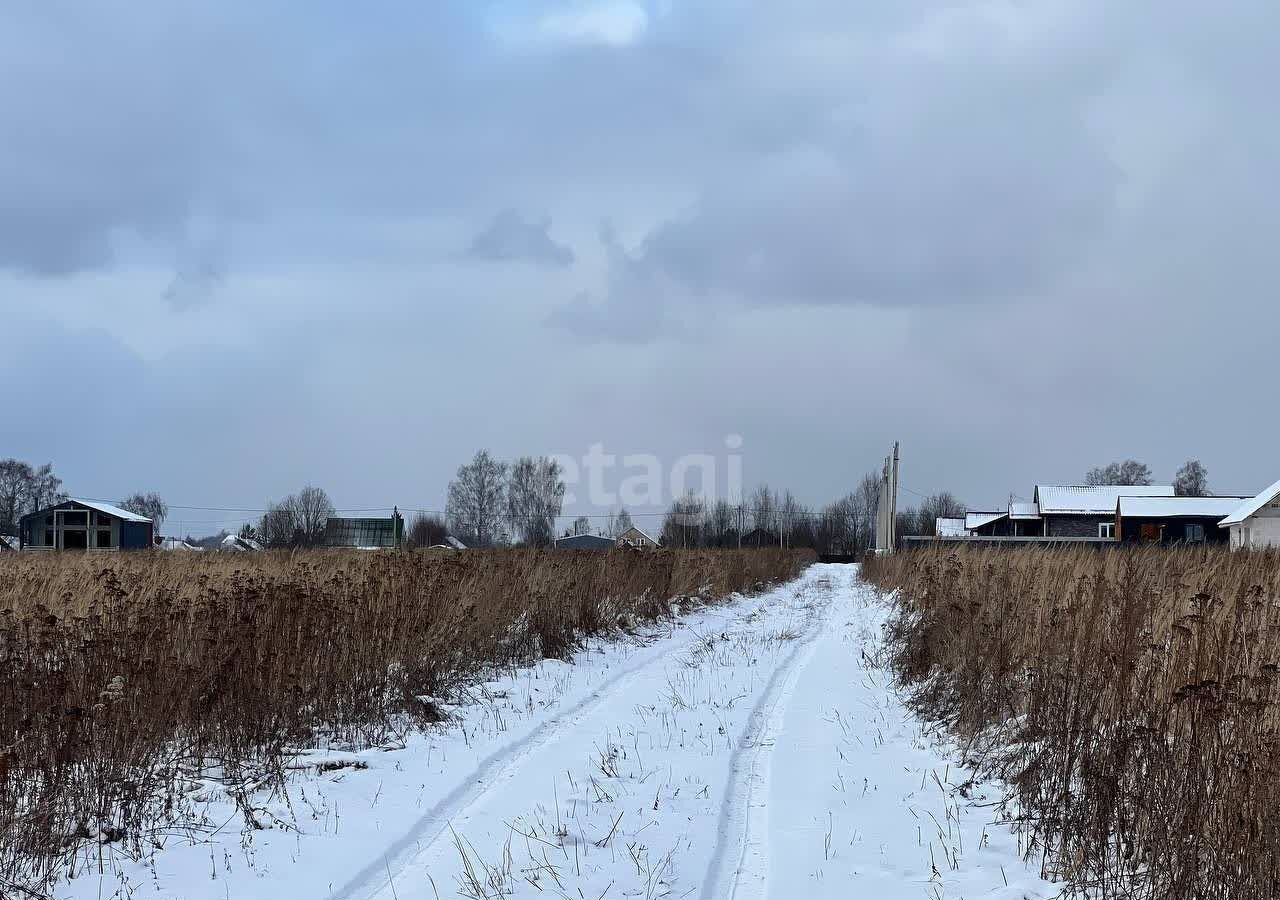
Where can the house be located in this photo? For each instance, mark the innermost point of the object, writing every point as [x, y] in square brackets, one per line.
[366, 533]
[1255, 522]
[233, 543]
[171, 543]
[945, 526]
[584, 542]
[1079, 510]
[85, 525]
[989, 523]
[759, 537]
[634, 537]
[1174, 520]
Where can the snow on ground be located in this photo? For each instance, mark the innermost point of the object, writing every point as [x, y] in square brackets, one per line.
[747, 750]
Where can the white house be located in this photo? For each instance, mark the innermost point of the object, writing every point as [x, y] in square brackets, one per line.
[1256, 522]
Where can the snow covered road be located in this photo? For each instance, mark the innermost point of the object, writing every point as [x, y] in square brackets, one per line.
[752, 750]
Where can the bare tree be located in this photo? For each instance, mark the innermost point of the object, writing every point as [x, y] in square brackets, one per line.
[685, 521]
[477, 500]
[16, 479]
[581, 525]
[312, 510]
[1192, 480]
[535, 494]
[619, 523]
[149, 505]
[278, 526]
[763, 507]
[1128, 472]
[298, 520]
[943, 505]
[427, 531]
[25, 489]
[722, 524]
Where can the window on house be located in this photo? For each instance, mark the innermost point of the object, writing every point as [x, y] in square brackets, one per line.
[104, 538]
[1106, 529]
[102, 519]
[1194, 534]
[48, 537]
[76, 517]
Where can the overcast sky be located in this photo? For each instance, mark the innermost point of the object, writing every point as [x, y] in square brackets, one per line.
[263, 244]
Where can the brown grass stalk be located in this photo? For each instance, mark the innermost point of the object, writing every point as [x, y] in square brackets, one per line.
[127, 676]
[1129, 697]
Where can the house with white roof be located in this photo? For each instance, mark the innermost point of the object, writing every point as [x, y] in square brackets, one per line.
[1173, 520]
[1063, 511]
[80, 524]
[1255, 522]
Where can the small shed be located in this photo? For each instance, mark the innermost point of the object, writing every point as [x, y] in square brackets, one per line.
[760, 537]
[1255, 522]
[584, 542]
[85, 525]
[634, 537]
[1173, 520]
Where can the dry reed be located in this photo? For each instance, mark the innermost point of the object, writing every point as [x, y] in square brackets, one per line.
[128, 676]
[1128, 697]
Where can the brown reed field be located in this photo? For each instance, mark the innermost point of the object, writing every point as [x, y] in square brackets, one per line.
[124, 675]
[1130, 698]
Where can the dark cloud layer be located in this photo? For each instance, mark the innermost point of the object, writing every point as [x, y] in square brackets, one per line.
[1022, 238]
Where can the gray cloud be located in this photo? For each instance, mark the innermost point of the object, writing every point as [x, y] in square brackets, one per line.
[510, 238]
[931, 221]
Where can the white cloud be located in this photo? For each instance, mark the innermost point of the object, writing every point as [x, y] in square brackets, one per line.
[617, 23]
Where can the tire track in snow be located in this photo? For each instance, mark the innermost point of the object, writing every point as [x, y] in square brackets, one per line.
[504, 765]
[739, 867]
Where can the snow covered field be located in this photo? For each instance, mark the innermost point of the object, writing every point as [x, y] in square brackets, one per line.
[748, 750]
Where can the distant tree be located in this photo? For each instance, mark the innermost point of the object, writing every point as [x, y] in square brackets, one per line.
[762, 507]
[1192, 480]
[865, 500]
[620, 522]
[685, 522]
[298, 520]
[149, 505]
[478, 501]
[1128, 472]
[943, 505]
[311, 510]
[46, 488]
[427, 531]
[247, 531]
[278, 526]
[535, 495]
[16, 479]
[25, 489]
[722, 525]
[581, 525]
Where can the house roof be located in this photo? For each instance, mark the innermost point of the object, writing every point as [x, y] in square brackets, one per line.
[1249, 507]
[1092, 498]
[639, 531]
[1019, 509]
[111, 510]
[585, 541]
[8, 542]
[178, 544]
[455, 543]
[946, 526]
[1169, 507]
[978, 519]
[235, 542]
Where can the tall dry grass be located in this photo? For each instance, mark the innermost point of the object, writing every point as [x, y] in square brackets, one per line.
[1129, 697]
[127, 676]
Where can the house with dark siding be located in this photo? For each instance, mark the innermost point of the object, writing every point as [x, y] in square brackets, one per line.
[1174, 520]
[85, 525]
